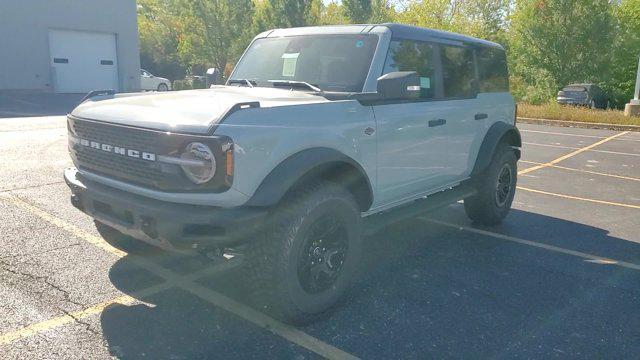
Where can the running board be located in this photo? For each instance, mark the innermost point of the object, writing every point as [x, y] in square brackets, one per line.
[374, 223]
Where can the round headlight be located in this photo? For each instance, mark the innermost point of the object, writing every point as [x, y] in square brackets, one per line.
[202, 165]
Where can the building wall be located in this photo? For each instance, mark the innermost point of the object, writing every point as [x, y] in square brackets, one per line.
[24, 38]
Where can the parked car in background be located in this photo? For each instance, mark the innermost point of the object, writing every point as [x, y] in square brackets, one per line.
[148, 81]
[590, 95]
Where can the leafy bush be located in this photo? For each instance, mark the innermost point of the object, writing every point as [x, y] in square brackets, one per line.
[181, 85]
[555, 111]
[191, 82]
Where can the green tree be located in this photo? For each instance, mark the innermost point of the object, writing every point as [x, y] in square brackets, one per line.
[333, 14]
[159, 37]
[367, 11]
[626, 49]
[283, 13]
[358, 11]
[216, 31]
[486, 19]
[564, 40]
[381, 11]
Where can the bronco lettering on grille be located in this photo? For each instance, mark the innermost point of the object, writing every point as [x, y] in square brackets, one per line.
[118, 150]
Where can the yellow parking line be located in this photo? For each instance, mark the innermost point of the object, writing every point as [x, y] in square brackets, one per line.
[285, 331]
[552, 145]
[574, 135]
[591, 257]
[571, 154]
[33, 329]
[573, 147]
[579, 198]
[564, 134]
[582, 171]
[615, 152]
[92, 239]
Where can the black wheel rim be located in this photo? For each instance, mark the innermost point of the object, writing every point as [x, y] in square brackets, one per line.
[323, 254]
[504, 185]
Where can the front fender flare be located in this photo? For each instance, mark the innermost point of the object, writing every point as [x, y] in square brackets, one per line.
[284, 176]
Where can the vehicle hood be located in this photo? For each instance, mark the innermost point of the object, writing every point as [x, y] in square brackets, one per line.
[191, 111]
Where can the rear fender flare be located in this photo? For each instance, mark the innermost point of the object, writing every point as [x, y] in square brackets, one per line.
[497, 133]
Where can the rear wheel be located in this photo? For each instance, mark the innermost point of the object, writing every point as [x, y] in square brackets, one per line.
[309, 256]
[496, 188]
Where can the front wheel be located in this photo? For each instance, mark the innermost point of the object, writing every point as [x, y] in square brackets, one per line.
[308, 256]
[163, 87]
[496, 188]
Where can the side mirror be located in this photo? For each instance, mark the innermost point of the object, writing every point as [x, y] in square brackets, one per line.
[399, 85]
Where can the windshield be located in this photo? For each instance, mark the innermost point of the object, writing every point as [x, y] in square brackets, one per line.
[330, 62]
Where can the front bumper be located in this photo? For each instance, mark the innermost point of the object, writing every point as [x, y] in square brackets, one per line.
[176, 227]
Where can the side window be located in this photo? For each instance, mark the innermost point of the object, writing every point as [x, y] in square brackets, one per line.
[457, 71]
[492, 70]
[406, 55]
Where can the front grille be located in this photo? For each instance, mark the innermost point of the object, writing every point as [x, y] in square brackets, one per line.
[134, 170]
[143, 140]
[141, 171]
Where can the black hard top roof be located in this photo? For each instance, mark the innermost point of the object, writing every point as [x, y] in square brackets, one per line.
[398, 31]
[419, 33]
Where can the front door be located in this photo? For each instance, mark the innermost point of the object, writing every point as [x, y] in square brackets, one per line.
[412, 151]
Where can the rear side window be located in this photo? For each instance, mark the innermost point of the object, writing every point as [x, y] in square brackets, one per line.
[492, 70]
[458, 72]
[407, 55]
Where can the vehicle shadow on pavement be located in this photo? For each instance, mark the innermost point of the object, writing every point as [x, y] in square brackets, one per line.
[427, 290]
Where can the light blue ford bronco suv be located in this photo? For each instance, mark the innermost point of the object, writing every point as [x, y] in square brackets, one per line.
[319, 134]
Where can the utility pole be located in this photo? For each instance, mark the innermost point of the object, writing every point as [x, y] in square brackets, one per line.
[633, 107]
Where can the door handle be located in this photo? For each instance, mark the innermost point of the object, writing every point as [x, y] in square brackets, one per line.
[437, 122]
[481, 116]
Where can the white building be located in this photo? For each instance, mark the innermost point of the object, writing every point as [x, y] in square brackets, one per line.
[69, 46]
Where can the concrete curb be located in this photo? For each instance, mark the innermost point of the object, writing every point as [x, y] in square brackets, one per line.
[579, 124]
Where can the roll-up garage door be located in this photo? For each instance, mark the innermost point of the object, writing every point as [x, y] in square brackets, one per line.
[83, 61]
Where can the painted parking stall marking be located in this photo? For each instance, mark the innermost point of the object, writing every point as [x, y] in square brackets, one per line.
[590, 257]
[290, 333]
[574, 153]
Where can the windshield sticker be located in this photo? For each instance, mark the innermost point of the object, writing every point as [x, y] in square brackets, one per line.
[359, 44]
[425, 82]
[289, 64]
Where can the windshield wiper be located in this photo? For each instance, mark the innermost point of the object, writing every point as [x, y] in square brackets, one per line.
[247, 82]
[293, 83]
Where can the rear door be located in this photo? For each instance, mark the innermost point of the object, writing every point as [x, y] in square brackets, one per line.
[465, 121]
[495, 103]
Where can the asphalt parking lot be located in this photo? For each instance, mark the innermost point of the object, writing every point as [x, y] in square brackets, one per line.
[560, 278]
